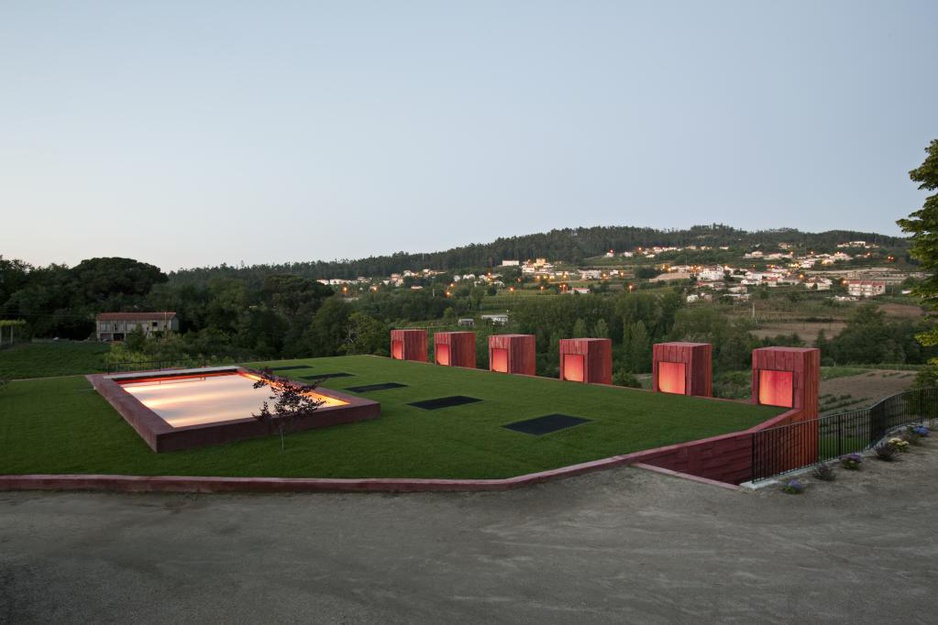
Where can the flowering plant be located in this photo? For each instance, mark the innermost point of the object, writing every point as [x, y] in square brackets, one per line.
[793, 487]
[898, 443]
[851, 462]
[920, 430]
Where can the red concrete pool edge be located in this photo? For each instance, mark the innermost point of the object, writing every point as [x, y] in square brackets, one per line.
[160, 436]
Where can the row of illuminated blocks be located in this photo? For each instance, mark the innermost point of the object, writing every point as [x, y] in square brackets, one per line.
[781, 376]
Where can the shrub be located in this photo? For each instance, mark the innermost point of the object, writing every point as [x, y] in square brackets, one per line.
[851, 462]
[915, 433]
[885, 452]
[793, 487]
[626, 378]
[825, 472]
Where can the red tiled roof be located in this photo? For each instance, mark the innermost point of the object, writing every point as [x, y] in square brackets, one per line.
[135, 316]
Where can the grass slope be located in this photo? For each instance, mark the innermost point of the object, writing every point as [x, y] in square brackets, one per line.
[63, 426]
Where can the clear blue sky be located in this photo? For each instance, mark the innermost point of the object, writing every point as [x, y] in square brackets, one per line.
[195, 133]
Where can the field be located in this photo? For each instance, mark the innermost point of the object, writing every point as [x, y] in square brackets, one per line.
[865, 387]
[51, 358]
[778, 316]
[61, 425]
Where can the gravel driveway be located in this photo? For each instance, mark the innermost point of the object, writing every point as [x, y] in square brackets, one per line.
[620, 546]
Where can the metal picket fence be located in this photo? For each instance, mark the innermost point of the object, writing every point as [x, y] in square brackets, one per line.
[789, 447]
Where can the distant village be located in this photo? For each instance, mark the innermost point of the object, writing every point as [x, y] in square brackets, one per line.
[814, 271]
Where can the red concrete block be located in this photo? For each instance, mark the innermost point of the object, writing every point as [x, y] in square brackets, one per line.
[455, 349]
[791, 377]
[409, 344]
[513, 353]
[586, 360]
[682, 368]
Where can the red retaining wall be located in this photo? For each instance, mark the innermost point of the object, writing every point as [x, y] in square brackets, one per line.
[725, 458]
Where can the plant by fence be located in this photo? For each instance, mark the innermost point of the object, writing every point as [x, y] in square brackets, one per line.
[781, 449]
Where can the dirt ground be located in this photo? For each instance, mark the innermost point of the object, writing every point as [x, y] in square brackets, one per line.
[864, 389]
[902, 311]
[619, 546]
[808, 330]
[874, 479]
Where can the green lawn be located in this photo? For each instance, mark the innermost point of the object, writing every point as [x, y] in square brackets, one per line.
[51, 358]
[63, 426]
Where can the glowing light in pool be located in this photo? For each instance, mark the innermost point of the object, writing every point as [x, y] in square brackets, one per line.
[189, 401]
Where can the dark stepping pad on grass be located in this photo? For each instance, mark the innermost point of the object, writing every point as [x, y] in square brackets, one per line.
[444, 402]
[546, 424]
[325, 376]
[288, 367]
[374, 387]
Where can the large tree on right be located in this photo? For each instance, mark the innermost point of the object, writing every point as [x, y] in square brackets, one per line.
[923, 226]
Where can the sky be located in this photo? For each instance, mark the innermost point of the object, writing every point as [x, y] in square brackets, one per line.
[191, 134]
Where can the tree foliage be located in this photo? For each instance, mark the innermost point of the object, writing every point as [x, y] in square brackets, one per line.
[923, 226]
[292, 401]
[923, 223]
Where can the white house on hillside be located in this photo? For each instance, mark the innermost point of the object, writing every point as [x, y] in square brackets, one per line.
[865, 288]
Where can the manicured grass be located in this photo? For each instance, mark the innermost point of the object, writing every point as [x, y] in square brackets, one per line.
[63, 426]
[50, 358]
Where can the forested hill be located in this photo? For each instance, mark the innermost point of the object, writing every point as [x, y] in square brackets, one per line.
[570, 244]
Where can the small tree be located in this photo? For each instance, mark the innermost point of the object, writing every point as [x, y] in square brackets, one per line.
[293, 401]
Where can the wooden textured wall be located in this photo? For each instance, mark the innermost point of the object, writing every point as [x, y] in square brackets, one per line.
[460, 349]
[804, 364]
[596, 361]
[697, 361]
[517, 351]
[409, 344]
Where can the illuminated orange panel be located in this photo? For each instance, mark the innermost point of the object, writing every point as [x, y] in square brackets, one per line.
[442, 354]
[775, 388]
[573, 367]
[672, 378]
[500, 359]
[397, 350]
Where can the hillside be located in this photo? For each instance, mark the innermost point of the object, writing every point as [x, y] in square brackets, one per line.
[571, 245]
